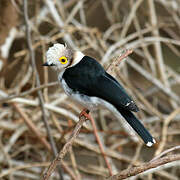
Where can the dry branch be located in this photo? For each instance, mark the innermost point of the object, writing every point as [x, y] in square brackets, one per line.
[40, 96]
[28, 91]
[83, 117]
[100, 145]
[141, 168]
[32, 126]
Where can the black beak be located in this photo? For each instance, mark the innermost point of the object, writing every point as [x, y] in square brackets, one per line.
[45, 64]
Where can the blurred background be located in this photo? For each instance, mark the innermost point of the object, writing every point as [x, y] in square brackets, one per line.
[103, 29]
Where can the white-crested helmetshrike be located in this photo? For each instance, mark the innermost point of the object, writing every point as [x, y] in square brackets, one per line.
[86, 81]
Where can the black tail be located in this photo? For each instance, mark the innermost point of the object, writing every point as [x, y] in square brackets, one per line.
[138, 127]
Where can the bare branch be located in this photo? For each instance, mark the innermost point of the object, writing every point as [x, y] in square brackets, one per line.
[143, 167]
[166, 152]
[28, 92]
[29, 41]
[83, 117]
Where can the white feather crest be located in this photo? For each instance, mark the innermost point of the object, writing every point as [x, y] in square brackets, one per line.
[55, 52]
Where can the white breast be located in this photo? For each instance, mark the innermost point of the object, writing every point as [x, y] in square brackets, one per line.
[88, 102]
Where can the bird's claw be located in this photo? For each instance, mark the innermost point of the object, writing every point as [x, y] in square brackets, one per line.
[85, 112]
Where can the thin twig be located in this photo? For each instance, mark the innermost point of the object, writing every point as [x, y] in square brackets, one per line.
[165, 129]
[157, 45]
[130, 18]
[65, 148]
[28, 91]
[156, 82]
[34, 129]
[59, 21]
[74, 164]
[118, 60]
[100, 145]
[165, 152]
[143, 167]
[32, 55]
[32, 126]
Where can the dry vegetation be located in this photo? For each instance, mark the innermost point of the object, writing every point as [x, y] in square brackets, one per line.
[35, 114]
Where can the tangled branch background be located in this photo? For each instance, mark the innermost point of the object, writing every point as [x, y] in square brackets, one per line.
[37, 118]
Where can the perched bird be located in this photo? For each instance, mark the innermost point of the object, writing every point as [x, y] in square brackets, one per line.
[86, 81]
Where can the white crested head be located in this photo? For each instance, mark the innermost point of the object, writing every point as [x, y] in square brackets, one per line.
[60, 57]
[54, 53]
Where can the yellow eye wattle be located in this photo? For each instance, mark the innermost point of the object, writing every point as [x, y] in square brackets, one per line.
[63, 60]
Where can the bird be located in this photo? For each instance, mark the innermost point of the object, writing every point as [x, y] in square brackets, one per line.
[85, 80]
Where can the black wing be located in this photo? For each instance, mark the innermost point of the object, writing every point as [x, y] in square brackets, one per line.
[88, 77]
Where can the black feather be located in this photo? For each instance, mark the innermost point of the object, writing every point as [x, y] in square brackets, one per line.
[137, 126]
[89, 77]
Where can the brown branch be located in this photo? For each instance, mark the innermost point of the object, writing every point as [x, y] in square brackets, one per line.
[28, 91]
[42, 139]
[68, 170]
[100, 145]
[116, 62]
[165, 130]
[82, 118]
[144, 167]
[32, 126]
[165, 152]
[40, 96]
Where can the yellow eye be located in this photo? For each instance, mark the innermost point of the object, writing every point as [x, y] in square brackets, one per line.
[63, 60]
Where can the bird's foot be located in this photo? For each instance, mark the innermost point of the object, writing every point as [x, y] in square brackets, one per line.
[85, 112]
